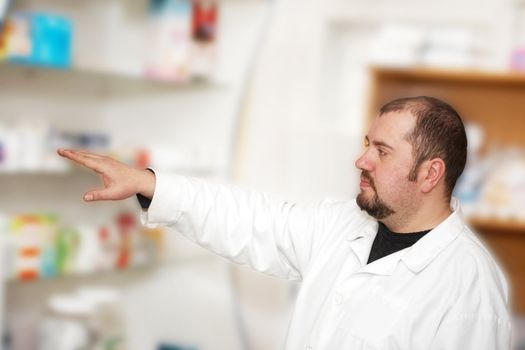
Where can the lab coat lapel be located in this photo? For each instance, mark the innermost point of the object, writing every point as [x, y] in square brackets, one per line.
[360, 242]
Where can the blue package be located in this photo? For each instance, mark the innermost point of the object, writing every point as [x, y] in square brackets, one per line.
[169, 7]
[50, 37]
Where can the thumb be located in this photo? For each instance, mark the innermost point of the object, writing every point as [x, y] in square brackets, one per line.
[97, 195]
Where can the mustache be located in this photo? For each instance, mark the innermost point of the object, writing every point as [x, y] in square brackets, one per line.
[366, 175]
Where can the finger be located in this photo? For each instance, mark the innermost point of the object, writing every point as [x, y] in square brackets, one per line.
[89, 162]
[64, 152]
[90, 154]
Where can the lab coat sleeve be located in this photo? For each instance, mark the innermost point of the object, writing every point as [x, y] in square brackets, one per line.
[263, 231]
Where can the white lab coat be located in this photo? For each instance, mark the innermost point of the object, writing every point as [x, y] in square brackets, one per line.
[445, 292]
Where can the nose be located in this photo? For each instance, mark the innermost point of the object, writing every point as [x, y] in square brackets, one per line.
[364, 162]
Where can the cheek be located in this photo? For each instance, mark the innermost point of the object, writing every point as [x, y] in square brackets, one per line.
[393, 182]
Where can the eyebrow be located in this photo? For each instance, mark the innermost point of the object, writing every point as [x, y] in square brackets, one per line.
[379, 144]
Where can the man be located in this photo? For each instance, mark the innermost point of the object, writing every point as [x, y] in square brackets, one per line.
[395, 269]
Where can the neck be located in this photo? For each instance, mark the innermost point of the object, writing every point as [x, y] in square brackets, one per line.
[425, 217]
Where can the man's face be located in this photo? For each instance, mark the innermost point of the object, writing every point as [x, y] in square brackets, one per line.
[385, 165]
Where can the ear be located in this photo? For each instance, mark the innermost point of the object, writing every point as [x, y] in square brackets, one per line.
[432, 172]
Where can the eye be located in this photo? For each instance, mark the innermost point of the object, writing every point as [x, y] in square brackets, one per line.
[381, 152]
[366, 142]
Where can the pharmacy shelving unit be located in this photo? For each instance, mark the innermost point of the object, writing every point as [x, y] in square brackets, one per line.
[496, 102]
[97, 95]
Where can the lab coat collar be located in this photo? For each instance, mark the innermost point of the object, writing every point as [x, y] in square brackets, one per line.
[416, 257]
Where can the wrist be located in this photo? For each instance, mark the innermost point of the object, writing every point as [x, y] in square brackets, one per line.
[147, 183]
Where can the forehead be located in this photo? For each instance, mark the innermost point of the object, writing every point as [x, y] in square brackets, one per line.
[392, 127]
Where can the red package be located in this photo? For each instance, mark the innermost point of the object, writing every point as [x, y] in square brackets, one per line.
[204, 20]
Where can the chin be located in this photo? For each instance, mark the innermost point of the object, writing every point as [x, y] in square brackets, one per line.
[374, 206]
[366, 197]
[363, 201]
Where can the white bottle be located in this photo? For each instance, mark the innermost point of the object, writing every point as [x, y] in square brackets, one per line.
[89, 251]
[66, 325]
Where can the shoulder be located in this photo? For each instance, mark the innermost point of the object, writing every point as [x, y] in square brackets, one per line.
[473, 275]
[472, 255]
[464, 283]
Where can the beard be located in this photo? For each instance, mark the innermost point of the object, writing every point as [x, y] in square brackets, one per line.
[375, 206]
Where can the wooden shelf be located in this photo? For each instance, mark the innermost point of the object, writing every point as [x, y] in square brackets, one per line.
[513, 226]
[455, 76]
[493, 100]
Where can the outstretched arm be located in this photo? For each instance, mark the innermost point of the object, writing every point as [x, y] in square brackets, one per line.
[267, 233]
[120, 180]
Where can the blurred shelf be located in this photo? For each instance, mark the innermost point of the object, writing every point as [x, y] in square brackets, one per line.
[126, 272]
[494, 224]
[491, 99]
[35, 172]
[119, 274]
[104, 77]
[31, 174]
[77, 170]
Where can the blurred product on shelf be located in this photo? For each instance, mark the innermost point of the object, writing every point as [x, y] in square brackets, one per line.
[493, 184]
[3, 43]
[4, 4]
[30, 248]
[175, 347]
[204, 31]
[450, 47]
[37, 246]
[181, 39]
[468, 186]
[94, 141]
[31, 145]
[66, 242]
[39, 39]
[169, 40]
[396, 45]
[503, 191]
[66, 324]
[23, 145]
[90, 318]
[518, 59]
[401, 45]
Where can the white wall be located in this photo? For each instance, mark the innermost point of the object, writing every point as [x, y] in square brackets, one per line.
[310, 152]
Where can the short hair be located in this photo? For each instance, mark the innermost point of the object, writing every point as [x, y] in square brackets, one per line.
[438, 133]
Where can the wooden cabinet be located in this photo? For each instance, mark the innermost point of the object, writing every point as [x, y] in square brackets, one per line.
[495, 101]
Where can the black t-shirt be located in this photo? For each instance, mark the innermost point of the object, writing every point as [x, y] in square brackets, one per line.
[143, 201]
[388, 242]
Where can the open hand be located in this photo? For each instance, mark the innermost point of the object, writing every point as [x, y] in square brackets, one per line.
[120, 180]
